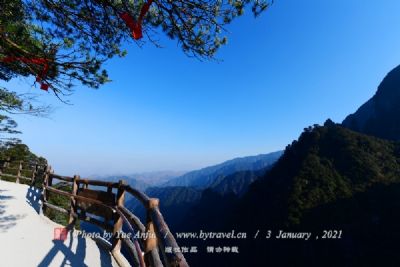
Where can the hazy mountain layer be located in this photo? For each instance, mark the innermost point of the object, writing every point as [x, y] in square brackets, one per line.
[206, 177]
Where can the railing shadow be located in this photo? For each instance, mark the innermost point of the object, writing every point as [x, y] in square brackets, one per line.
[105, 258]
[70, 258]
[33, 196]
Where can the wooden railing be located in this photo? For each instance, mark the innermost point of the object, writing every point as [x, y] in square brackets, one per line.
[31, 169]
[109, 205]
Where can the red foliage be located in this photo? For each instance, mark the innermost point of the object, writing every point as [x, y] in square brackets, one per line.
[37, 61]
[136, 26]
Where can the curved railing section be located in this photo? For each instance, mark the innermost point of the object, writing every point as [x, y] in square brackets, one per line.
[106, 201]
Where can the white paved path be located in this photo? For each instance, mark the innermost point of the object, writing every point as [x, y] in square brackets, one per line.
[26, 238]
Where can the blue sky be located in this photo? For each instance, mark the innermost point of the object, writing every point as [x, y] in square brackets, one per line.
[298, 64]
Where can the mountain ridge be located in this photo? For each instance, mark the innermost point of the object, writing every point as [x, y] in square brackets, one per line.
[322, 181]
[379, 116]
[205, 177]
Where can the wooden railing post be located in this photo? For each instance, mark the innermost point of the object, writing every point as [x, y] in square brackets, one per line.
[50, 179]
[151, 254]
[7, 163]
[73, 205]
[118, 221]
[19, 171]
[3, 168]
[34, 173]
[45, 192]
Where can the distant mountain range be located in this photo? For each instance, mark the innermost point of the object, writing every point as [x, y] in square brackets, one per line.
[203, 178]
[206, 177]
[379, 116]
[176, 200]
[230, 177]
[141, 181]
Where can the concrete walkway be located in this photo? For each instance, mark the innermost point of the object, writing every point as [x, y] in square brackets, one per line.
[26, 238]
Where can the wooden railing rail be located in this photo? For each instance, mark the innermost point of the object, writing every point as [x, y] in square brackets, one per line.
[133, 220]
[166, 238]
[143, 198]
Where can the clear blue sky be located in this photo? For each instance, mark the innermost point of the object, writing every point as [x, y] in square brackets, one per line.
[298, 64]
